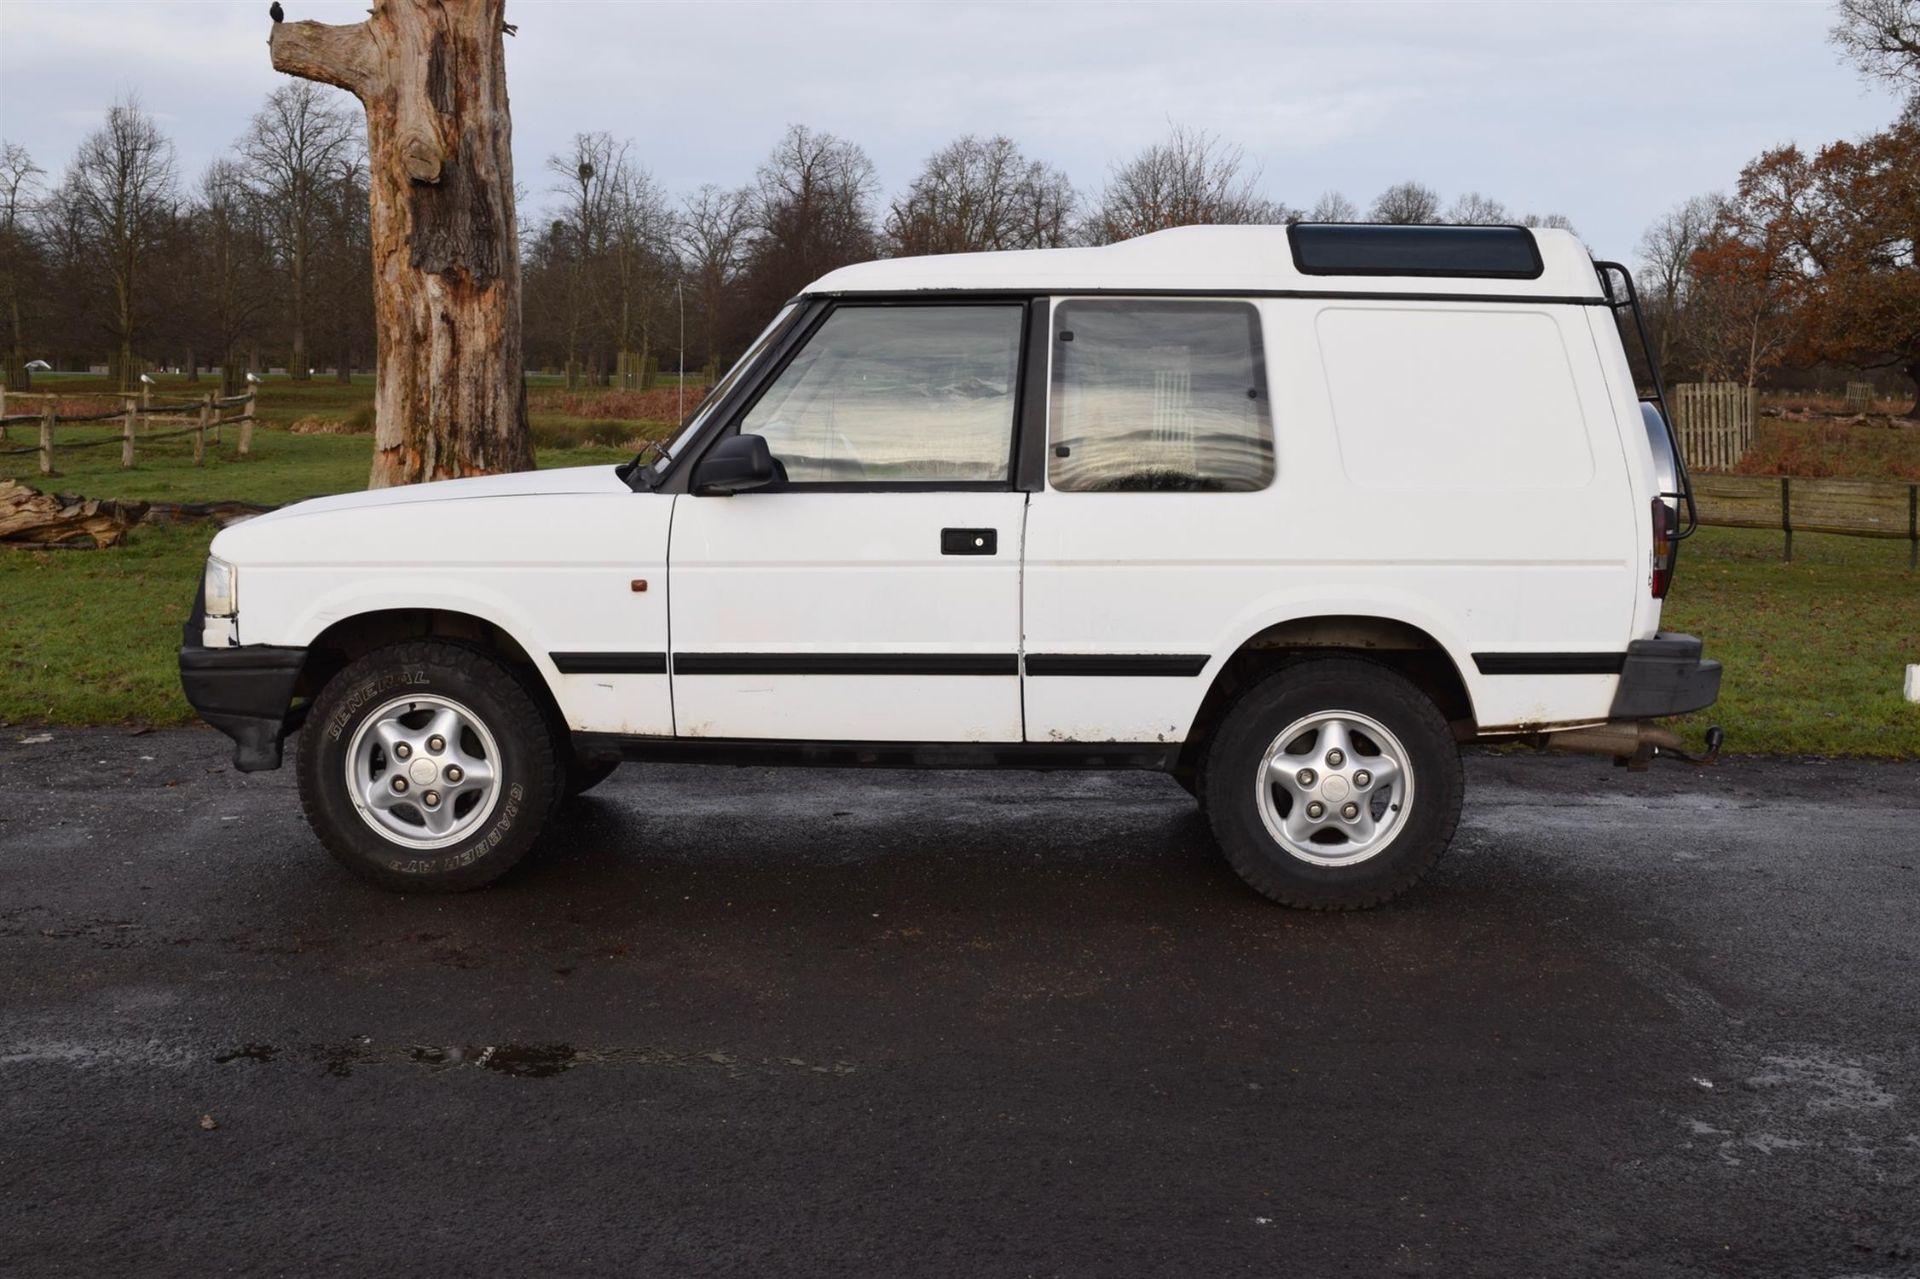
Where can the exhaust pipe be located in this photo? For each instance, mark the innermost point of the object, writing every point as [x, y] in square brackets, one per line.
[1633, 743]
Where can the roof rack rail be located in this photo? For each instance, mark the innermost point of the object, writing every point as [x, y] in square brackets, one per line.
[1627, 299]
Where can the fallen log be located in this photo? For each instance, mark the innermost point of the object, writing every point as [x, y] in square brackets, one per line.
[29, 517]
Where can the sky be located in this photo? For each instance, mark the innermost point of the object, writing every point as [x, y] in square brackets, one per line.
[1607, 113]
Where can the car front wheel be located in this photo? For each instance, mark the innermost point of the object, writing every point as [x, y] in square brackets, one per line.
[428, 766]
[1333, 785]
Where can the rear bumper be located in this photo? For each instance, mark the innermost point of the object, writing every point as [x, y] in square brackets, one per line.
[246, 693]
[1664, 675]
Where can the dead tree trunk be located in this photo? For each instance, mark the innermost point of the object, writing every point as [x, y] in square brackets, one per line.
[450, 393]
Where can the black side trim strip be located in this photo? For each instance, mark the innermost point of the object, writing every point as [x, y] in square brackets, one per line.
[1116, 663]
[610, 663]
[846, 664]
[1549, 663]
[1039, 756]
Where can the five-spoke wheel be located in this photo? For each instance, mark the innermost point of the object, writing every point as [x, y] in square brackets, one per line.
[1332, 786]
[421, 770]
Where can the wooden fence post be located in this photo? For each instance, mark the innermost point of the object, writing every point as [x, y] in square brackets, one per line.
[47, 420]
[126, 439]
[1786, 516]
[246, 422]
[200, 431]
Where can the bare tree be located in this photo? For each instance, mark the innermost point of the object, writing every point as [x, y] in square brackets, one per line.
[812, 212]
[1474, 209]
[1553, 221]
[233, 253]
[1882, 39]
[1191, 179]
[342, 302]
[121, 188]
[588, 176]
[1333, 207]
[295, 147]
[639, 266]
[978, 194]
[1666, 255]
[19, 254]
[712, 238]
[1406, 204]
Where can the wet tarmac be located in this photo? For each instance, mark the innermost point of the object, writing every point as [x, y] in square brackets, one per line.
[748, 1021]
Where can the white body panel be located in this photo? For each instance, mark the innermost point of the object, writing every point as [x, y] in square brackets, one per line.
[800, 575]
[1475, 558]
[549, 557]
[1471, 467]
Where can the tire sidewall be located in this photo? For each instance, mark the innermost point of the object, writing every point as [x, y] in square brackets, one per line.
[1262, 713]
[527, 786]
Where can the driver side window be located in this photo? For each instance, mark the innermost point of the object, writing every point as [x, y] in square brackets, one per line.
[897, 394]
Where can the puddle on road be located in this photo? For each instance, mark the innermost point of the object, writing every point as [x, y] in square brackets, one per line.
[520, 1061]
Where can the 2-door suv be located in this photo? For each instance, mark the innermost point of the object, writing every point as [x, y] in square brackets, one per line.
[1286, 512]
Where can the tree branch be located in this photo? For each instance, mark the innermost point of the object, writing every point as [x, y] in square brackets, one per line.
[345, 57]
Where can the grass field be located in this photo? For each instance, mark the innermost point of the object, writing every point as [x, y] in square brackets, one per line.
[1814, 650]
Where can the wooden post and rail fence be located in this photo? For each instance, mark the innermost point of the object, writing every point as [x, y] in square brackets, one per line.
[203, 417]
[1851, 508]
[1714, 420]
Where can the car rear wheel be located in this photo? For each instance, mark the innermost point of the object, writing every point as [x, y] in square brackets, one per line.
[428, 766]
[1332, 785]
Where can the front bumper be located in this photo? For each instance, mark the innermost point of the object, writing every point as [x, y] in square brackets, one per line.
[1664, 675]
[246, 693]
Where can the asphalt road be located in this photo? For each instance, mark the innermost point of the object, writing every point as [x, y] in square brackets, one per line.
[745, 1021]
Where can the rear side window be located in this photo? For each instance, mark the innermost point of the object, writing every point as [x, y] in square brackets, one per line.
[1153, 396]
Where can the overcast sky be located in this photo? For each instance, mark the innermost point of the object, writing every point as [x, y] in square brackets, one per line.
[1608, 113]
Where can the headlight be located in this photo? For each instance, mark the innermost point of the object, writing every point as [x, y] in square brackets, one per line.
[222, 581]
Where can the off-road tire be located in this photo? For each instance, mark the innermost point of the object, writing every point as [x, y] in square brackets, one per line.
[531, 772]
[1237, 750]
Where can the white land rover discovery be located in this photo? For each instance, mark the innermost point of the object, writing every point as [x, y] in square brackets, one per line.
[1288, 513]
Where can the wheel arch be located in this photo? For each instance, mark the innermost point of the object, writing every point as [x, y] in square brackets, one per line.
[348, 638]
[1401, 646]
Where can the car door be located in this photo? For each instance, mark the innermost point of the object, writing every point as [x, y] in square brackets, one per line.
[872, 592]
[1154, 530]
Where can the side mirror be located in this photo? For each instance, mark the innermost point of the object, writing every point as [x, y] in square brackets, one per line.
[735, 464]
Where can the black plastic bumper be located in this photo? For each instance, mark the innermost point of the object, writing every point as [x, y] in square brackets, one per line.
[1665, 675]
[246, 693]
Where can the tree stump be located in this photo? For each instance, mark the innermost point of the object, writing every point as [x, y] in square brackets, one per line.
[450, 393]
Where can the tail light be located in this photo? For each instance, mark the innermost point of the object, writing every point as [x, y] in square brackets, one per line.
[1666, 546]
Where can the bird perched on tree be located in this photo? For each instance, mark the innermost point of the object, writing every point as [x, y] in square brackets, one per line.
[275, 12]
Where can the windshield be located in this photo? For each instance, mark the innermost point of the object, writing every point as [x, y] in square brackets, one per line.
[688, 428]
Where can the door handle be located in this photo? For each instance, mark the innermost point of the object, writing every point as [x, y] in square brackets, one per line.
[969, 541]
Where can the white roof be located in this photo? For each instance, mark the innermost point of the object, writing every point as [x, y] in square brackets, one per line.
[1255, 259]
